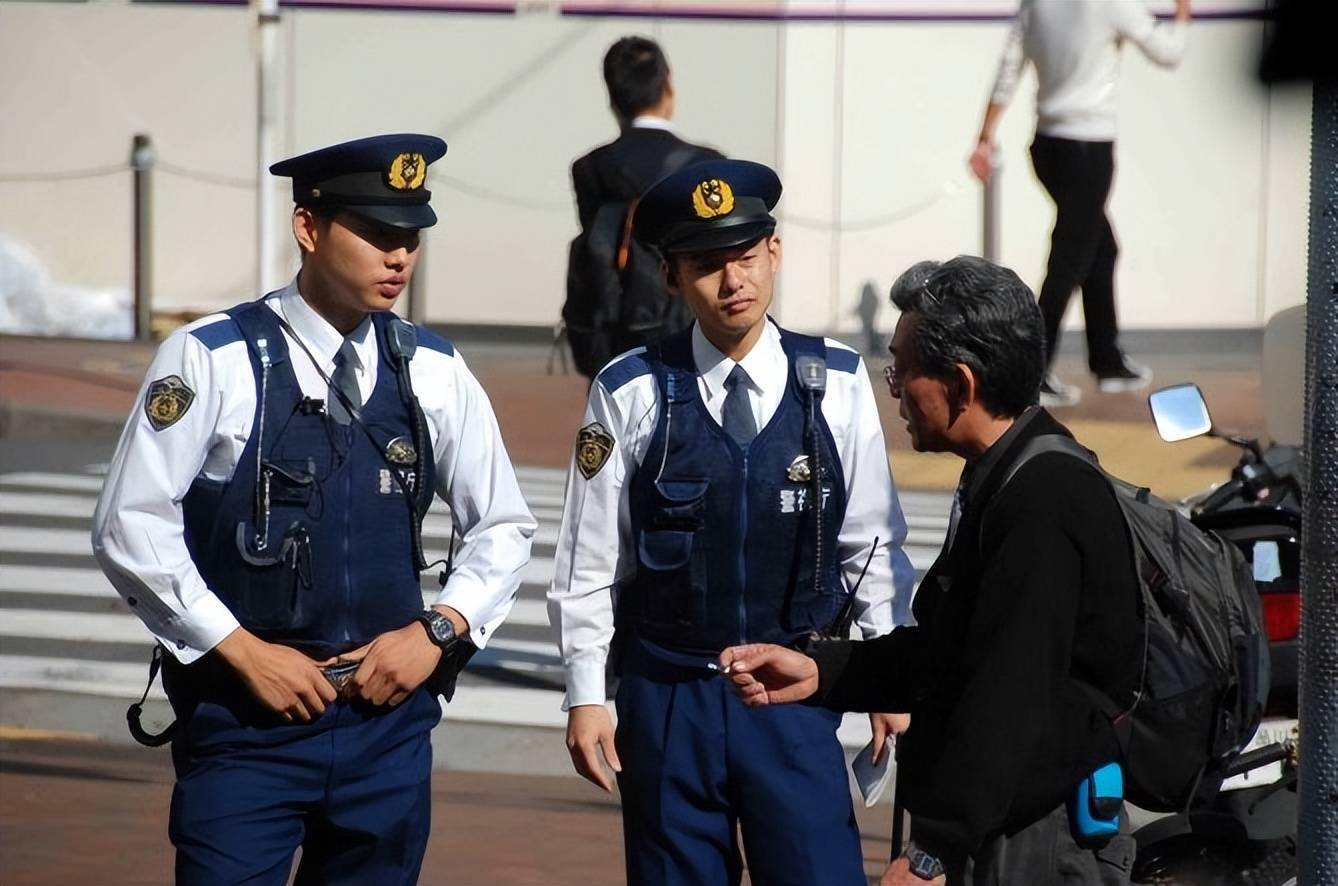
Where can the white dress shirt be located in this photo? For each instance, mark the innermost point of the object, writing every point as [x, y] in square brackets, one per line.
[138, 535]
[1075, 46]
[650, 121]
[595, 548]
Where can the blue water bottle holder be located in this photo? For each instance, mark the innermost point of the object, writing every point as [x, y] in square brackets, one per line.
[1094, 808]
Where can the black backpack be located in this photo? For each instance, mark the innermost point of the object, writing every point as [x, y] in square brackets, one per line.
[1205, 651]
[616, 296]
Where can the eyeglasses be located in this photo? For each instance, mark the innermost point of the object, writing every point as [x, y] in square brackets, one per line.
[896, 374]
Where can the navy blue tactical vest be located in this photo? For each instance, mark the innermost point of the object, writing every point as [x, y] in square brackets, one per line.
[329, 564]
[725, 535]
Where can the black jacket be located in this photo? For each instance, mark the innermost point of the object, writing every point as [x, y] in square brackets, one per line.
[1042, 593]
[622, 169]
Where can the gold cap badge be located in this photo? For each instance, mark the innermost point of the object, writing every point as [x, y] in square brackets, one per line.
[713, 197]
[407, 172]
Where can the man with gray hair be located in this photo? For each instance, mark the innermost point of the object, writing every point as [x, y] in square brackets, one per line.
[1033, 596]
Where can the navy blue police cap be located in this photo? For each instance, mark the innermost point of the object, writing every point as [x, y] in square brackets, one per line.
[706, 206]
[380, 178]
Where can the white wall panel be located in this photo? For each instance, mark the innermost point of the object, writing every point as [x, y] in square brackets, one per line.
[869, 122]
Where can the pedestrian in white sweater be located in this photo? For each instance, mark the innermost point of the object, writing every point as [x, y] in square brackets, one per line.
[1075, 46]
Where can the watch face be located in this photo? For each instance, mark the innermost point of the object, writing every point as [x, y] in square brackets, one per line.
[923, 865]
[440, 626]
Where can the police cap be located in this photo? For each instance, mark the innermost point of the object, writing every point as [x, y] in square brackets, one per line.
[710, 205]
[380, 178]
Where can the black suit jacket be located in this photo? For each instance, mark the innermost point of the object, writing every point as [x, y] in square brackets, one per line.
[1038, 589]
[622, 169]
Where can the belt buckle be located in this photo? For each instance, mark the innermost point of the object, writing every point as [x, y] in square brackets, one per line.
[340, 673]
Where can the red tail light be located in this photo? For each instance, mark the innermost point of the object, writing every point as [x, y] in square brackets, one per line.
[1282, 615]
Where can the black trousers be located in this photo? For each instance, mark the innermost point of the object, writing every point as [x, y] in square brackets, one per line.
[1077, 175]
[1045, 854]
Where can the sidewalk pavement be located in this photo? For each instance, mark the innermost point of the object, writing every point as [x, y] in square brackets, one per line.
[58, 388]
[84, 812]
[75, 810]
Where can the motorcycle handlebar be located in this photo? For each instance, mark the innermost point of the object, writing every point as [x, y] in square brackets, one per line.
[1220, 496]
[1256, 759]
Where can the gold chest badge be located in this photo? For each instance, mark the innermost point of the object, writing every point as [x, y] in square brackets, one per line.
[799, 471]
[407, 172]
[167, 400]
[713, 197]
[401, 452]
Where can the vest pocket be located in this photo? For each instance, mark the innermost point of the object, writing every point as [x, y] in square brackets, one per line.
[272, 593]
[670, 578]
[666, 549]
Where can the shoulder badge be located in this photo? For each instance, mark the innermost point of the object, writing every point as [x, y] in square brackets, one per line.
[593, 445]
[167, 400]
[713, 197]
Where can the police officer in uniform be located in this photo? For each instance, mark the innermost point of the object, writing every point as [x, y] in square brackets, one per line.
[730, 484]
[262, 517]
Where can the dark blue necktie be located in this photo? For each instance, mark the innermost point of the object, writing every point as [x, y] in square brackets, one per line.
[737, 415]
[345, 379]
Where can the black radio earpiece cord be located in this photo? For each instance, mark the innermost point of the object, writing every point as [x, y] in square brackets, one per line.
[419, 446]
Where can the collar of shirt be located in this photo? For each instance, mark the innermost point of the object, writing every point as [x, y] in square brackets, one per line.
[650, 121]
[765, 365]
[322, 338]
[976, 472]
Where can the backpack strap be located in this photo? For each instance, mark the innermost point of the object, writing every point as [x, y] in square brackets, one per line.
[1117, 714]
[1048, 443]
[1037, 446]
[675, 159]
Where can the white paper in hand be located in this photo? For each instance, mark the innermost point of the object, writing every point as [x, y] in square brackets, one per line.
[872, 779]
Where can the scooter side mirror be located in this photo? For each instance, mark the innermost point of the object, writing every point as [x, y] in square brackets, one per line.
[1180, 412]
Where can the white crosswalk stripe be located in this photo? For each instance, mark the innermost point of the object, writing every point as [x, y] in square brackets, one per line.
[64, 628]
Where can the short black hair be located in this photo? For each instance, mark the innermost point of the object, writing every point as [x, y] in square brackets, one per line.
[637, 74]
[980, 314]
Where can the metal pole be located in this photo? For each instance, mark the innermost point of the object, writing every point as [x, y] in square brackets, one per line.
[141, 161]
[1317, 830]
[989, 220]
[267, 29]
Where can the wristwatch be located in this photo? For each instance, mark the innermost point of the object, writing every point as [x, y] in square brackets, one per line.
[439, 629]
[923, 865]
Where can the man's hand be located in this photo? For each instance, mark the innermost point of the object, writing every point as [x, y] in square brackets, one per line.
[397, 662]
[282, 679]
[589, 730]
[1182, 13]
[898, 873]
[762, 673]
[885, 726]
[981, 161]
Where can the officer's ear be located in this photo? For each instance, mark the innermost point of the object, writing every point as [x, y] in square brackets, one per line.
[306, 229]
[669, 273]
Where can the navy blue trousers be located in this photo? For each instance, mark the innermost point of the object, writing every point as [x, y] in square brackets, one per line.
[699, 767]
[352, 789]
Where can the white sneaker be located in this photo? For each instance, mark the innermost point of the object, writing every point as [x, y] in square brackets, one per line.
[1129, 377]
[1055, 393]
